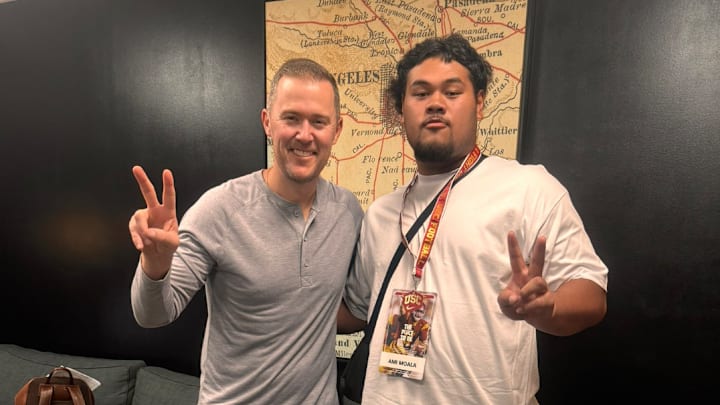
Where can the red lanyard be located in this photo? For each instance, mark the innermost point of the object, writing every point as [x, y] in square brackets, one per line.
[424, 253]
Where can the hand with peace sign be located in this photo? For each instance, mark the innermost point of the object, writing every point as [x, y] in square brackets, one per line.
[576, 305]
[154, 229]
[526, 297]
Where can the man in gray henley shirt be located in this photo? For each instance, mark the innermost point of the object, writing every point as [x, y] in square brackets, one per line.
[272, 250]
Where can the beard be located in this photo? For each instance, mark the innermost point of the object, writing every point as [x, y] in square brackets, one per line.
[433, 152]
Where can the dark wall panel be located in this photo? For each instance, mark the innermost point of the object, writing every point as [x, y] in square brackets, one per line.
[89, 88]
[623, 108]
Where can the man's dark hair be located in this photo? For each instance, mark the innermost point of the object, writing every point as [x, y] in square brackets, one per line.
[453, 47]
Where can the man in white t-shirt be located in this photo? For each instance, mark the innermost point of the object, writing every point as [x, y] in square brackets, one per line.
[503, 254]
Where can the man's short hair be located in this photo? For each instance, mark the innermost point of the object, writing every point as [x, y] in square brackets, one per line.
[304, 68]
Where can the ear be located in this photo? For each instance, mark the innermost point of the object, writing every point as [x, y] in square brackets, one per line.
[479, 98]
[338, 130]
[265, 120]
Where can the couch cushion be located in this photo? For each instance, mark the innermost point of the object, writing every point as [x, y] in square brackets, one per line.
[159, 386]
[21, 364]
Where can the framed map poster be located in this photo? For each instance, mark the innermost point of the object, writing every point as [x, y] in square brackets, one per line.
[361, 41]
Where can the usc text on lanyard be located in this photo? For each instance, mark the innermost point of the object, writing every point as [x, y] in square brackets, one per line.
[422, 257]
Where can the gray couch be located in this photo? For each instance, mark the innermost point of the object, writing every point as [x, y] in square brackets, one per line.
[123, 382]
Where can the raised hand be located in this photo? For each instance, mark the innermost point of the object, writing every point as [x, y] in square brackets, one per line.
[154, 229]
[526, 297]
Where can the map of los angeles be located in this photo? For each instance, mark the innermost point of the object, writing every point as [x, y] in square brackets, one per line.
[361, 41]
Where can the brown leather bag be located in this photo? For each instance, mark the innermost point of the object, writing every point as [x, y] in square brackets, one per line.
[55, 389]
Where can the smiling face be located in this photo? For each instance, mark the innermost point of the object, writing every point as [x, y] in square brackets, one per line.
[440, 111]
[303, 126]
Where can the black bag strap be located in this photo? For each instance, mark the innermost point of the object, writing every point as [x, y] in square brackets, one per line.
[370, 327]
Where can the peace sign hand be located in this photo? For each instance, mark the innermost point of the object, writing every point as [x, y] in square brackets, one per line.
[526, 297]
[154, 230]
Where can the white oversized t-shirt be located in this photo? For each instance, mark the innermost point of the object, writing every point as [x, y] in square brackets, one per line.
[476, 354]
